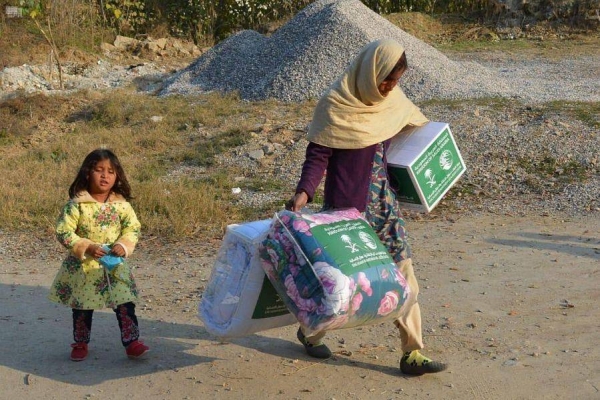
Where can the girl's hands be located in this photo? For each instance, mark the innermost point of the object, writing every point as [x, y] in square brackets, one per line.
[297, 202]
[96, 251]
[118, 250]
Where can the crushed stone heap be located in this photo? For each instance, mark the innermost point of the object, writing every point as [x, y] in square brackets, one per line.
[301, 59]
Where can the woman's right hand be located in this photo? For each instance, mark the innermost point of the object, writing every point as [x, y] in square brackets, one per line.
[297, 202]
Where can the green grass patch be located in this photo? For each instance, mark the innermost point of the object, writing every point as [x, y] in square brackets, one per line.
[5, 137]
[259, 184]
[586, 112]
[205, 152]
[506, 46]
[496, 103]
[265, 211]
[548, 166]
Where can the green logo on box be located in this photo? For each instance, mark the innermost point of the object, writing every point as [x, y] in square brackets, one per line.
[353, 245]
[437, 168]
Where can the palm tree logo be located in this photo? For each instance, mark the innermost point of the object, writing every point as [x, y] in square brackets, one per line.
[349, 245]
[367, 240]
[430, 175]
[446, 160]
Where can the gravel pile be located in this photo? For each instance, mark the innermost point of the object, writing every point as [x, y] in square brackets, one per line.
[301, 59]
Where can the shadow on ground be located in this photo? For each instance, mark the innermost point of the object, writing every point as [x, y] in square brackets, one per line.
[35, 337]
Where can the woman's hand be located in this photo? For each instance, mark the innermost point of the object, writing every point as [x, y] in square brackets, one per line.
[297, 202]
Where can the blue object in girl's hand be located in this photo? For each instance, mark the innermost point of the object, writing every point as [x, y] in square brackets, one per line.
[110, 261]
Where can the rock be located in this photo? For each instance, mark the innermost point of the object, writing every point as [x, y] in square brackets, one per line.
[125, 43]
[161, 43]
[269, 148]
[108, 48]
[153, 47]
[256, 154]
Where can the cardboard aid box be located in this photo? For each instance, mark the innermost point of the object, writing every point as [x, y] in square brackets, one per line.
[423, 164]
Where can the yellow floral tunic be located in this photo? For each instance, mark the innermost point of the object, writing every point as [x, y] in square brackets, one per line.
[82, 282]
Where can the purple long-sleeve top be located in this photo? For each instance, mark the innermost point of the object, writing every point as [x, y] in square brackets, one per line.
[348, 174]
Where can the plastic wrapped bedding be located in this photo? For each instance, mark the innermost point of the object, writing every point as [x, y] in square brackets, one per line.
[331, 270]
[239, 299]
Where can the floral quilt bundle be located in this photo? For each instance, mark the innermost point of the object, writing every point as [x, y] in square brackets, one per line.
[331, 270]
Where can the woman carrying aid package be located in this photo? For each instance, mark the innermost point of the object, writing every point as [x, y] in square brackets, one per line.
[351, 130]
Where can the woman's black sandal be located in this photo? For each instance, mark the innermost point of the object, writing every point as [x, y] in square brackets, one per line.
[317, 351]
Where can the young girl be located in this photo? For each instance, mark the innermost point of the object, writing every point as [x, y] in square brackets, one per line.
[98, 215]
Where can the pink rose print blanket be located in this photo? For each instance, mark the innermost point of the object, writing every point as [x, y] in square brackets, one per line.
[331, 270]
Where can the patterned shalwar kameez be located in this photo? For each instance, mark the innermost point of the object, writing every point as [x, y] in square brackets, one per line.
[82, 283]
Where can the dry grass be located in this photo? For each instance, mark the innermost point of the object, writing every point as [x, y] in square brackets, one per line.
[454, 34]
[44, 139]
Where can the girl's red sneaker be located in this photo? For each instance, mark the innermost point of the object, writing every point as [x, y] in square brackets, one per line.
[79, 352]
[136, 349]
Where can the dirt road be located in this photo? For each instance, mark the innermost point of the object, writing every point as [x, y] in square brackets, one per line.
[509, 303]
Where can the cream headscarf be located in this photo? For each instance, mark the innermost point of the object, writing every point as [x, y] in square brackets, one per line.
[352, 114]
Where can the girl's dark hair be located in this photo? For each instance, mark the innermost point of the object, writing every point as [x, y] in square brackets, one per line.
[81, 181]
[401, 65]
